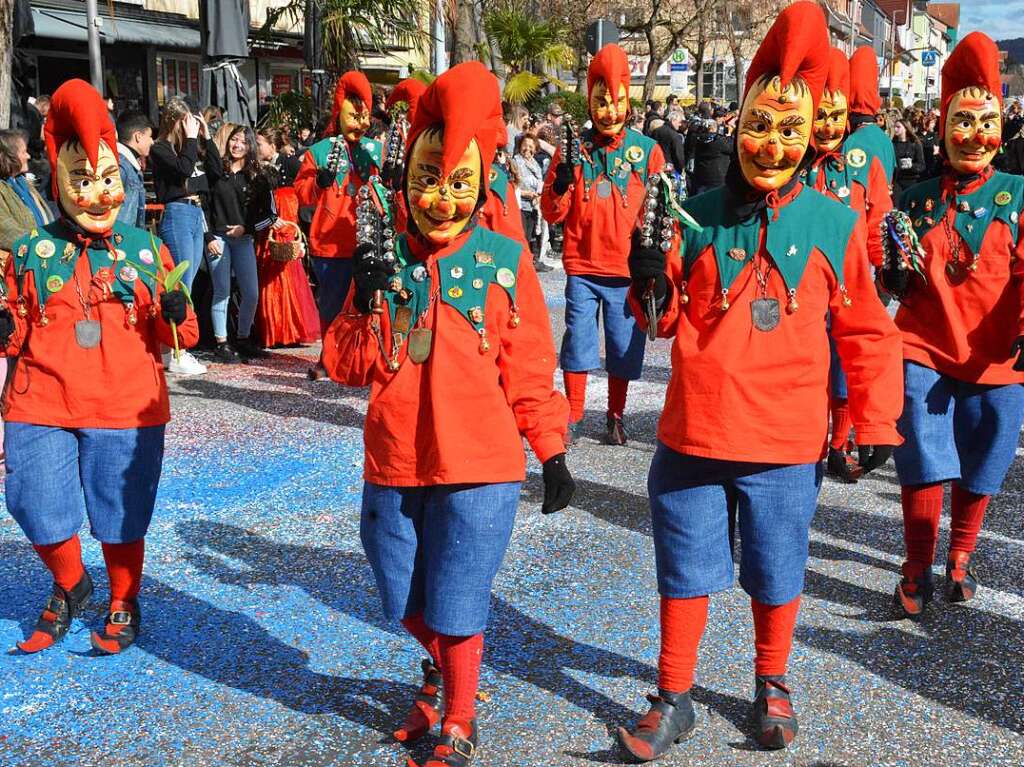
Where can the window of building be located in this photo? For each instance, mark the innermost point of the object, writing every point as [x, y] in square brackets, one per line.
[176, 76]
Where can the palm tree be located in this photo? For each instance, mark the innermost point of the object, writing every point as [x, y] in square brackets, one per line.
[527, 44]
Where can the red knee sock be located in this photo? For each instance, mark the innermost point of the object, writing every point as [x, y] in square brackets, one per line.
[124, 568]
[617, 389]
[682, 625]
[773, 636]
[968, 512]
[64, 561]
[576, 393]
[460, 669]
[922, 506]
[425, 635]
[841, 423]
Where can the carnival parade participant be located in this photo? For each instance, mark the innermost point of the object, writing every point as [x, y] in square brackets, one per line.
[84, 319]
[963, 331]
[845, 175]
[457, 350]
[401, 107]
[597, 195]
[746, 412]
[329, 179]
[864, 101]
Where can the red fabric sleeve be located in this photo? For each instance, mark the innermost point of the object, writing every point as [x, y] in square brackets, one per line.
[13, 347]
[188, 331]
[305, 182]
[1017, 272]
[878, 202]
[351, 349]
[871, 350]
[527, 362]
[555, 207]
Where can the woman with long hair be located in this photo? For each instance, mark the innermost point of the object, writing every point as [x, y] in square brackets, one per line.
[242, 210]
[287, 313]
[909, 157]
[185, 164]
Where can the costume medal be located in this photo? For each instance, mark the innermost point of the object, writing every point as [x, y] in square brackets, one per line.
[419, 345]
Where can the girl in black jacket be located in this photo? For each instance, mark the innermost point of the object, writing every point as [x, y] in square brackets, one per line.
[909, 158]
[242, 207]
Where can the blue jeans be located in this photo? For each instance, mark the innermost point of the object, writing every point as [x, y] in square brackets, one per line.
[586, 300]
[954, 430]
[181, 229]
[435, 550]
[239, 257]
[334, 277]
[55, 477]
[696, 504]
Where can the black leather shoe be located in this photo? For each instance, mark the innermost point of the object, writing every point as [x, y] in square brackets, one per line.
[914, 592]
[61, 608]
[841, 465]
[456, 748]
[120, 630]
[616, 434]
[670, 720]
[961, 579]
[426, 706]
[224, 354]
[774, 720]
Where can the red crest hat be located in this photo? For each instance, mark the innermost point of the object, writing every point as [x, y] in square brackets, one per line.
[350, 85]
[974, 61]
[864, 98]
[796, 46]
[77, 111]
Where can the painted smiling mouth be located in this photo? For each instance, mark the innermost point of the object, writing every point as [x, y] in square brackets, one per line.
[770, 169]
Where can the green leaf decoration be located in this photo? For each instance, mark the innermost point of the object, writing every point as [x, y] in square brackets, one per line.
[174, 277]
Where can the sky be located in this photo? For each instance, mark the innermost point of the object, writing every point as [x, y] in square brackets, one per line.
[999, 19]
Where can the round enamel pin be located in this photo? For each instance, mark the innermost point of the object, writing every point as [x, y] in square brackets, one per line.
[455, 292]
[117, 255]
[128, 274]
[737, 254]
[635, 154]
[419, 273]
[54, 283]
[857, 158]
[146, 256]
[457, 272]
[1014, 217]
[476, 314]
[45, 248]
[843, 192]
[1003, 198]
[505, 277]
[493, 176]
[478, 283]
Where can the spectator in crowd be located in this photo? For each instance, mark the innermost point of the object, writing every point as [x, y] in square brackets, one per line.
[273, 150]
[671, 140]
[910, 164]
[306, 136]
[654, 112]
[242, 209]
[38, 165]
[286, 313]
[134, 140]
[711, 154]
[22, 207]
[214, 117]
[185, 164]
[516, 120]
[925, 130]
[531, 184]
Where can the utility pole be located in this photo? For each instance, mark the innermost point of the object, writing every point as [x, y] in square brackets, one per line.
[853, 25]
[440, 54]
[92, 22]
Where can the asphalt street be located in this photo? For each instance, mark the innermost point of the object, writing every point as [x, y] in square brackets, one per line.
[263, 643]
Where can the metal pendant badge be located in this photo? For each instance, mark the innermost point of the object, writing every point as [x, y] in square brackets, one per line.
[88, 333]
[765, 313]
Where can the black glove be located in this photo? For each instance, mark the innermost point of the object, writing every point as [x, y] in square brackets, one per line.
[369, 275]
[6, 326]
[558, 485]
[325, 177]
[173, 307]
[646, 264]
[871, 457]
[1018, 349]
[894, 280]
[564, 178]
[391, 175]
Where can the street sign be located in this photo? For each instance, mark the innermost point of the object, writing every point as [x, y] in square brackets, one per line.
[679, 67]
[929, 58]
[599, 34]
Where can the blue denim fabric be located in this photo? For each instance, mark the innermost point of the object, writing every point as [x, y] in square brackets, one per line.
[836, 376]
[334, 277]
[954, 430]
[697, 505]
[182, 228]
[55, 477]
[435, 550]
[239, 257]
[587, 299]
[133, 209]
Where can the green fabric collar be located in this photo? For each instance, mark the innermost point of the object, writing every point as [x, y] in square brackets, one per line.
[867, 142]
[616, 165]
[498, 183]
[840, 176]
[365, 157]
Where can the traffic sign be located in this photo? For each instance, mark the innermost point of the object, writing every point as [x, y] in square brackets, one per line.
[929, 58]
[599, 34]
[684, 67]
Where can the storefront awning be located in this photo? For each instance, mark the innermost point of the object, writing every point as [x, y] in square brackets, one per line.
[62, 24]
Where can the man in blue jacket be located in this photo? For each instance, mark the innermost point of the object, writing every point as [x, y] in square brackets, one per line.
[134, 138]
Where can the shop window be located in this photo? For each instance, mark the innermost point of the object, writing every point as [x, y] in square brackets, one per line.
[176, 77]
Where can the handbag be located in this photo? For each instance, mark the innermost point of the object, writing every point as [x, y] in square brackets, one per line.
[290, 250]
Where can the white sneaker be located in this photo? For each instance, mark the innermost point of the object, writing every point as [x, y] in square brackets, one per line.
[187, 365]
